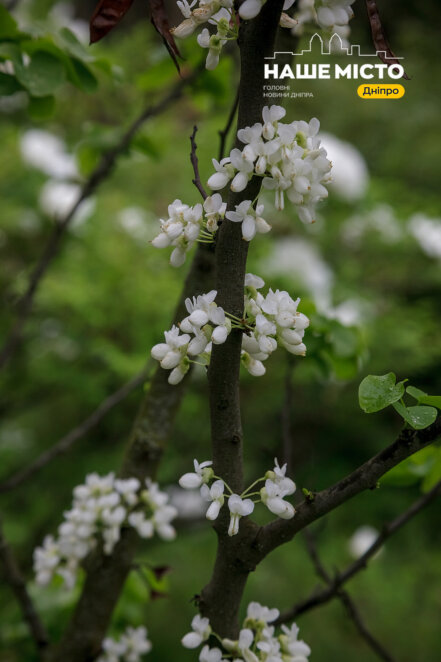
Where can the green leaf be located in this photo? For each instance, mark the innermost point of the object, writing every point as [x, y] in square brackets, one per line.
[415, 392]
[81, 76]
[423, 398]
[44, 74]
[412, 469]
[146, 145]
[418, 417]
[8, 26]
[69, 43]
[434, 475]
[433, 400]
[40, 108]
[379, 391]
[8, 85]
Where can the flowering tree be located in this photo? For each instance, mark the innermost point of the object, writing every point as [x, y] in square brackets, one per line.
[225, 318]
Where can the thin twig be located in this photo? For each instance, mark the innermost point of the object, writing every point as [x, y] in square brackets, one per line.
[66, 443]
[15, 580]
[195, 163]
[223, 134]
[365, 477]
[101, 172]
[346, 600]
[318, 598]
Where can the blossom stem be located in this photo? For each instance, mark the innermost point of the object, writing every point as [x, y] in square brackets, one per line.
[252, 485]
[226, 484]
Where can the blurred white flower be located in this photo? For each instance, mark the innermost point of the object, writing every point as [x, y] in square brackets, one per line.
[361, 540]
[62, 14]
[380, 219]
[189, 504]
[349, 312]
[46, 152]
[427, 232]
[58, 198]
[134, 221]
[350, 175]
[300, 260]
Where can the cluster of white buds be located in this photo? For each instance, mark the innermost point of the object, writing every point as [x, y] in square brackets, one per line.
[186, 225]
[222, 15]
[101, 507]
[130, 647]
[258, 640]
[219, 13]
[205, 324]
[268, 321]
[332, 16]
[287, 156]
[276, 487]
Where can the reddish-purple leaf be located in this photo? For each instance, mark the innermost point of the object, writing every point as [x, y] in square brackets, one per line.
[107, 14]
[156, 595]
[385, 53]
[161, 570]
[159, 19]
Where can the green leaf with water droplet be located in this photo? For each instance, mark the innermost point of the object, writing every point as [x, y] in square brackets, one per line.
[379, 391]
[419, 417]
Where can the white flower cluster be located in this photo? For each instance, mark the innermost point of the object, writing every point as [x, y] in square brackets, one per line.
[271, 321]
[268, 322]
[257, 642]
[186, 225]
[332, 16]
[287, 156]
[130, 647]
[100, 509]
[221, 14]
[205, 324]
[277, 486]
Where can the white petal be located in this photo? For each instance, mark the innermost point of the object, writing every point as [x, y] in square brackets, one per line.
[218, 181]
[191, 640]
[213, 510]
[248, 228]
[190, 481]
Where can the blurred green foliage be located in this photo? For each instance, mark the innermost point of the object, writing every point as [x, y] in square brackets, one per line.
[108, 297]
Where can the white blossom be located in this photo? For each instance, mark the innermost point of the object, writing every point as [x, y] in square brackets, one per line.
[258, 614]
[210, 654]
[130, 647]
[362, 539]
[172, 354]
[290, 159]
[215, 494]
[272, 496]
[202, 474]
[201, 630]
[101, 508]
[250, 218]
[257, 642]
[238, 508]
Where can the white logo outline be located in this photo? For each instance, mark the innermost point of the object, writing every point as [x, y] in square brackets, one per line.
[354, 50]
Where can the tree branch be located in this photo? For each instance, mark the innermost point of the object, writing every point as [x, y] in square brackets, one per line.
[365, 477]
[322, 597]
[106, 575]
[15, 580]
[347, 601]
[256, 41]
[66, 442]
[101, 172]
[195, 163]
